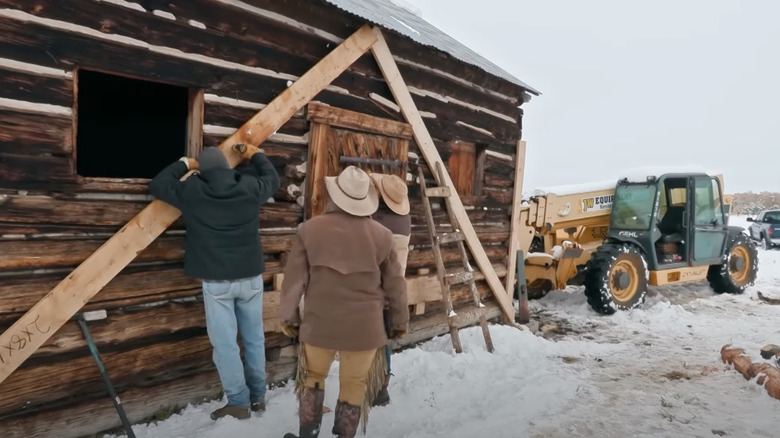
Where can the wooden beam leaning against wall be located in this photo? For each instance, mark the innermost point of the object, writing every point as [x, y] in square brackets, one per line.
[36, 326]
[425, 143]
[514, 233]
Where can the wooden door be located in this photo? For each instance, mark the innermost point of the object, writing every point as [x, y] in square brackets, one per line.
[340, 138]
[467, 167]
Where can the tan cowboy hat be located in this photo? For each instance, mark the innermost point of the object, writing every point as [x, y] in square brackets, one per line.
[353, 192]
[394, 192]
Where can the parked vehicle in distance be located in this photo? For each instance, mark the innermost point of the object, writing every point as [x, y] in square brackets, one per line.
[765, 228]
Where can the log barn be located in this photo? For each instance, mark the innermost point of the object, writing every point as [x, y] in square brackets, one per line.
[97, 96]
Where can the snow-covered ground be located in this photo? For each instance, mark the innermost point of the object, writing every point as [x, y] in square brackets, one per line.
[649, 372]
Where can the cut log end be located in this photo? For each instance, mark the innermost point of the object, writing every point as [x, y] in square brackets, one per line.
[770, 350]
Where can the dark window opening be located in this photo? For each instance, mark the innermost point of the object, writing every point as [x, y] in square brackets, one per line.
[128, 128]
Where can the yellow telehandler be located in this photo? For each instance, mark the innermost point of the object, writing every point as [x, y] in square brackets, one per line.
[651, 228]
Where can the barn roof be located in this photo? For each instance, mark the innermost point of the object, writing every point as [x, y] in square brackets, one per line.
[390, 16]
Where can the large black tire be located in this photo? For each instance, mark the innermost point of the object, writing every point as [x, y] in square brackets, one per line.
[739, 269]
[616, 278]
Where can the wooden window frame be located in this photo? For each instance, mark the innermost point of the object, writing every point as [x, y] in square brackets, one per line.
[194, 134]
[323, 118]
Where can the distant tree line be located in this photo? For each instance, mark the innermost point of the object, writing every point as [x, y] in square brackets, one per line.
[753, 203]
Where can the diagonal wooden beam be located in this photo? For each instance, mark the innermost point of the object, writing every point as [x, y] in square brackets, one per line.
[36, 326]
[514, 226]
[428, 149]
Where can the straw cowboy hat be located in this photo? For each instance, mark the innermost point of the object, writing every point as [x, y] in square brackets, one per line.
[353, 192]
[394, 192]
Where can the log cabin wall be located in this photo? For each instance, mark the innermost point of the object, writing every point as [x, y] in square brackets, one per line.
[233, 57]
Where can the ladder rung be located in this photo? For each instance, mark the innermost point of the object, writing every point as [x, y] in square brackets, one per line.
[438, 192]
[459, 277]
[456, 236]
[465, 318]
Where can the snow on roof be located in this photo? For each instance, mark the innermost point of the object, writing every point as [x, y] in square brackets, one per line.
[403, 19]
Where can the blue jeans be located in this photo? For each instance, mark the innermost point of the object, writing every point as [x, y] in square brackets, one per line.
[231, 308]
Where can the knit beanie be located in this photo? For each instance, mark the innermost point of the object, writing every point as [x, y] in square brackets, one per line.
[212, 158]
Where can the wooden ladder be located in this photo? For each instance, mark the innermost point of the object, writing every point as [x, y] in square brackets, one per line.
[467, 316]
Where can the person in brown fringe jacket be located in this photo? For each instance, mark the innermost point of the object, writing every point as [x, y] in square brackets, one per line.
[343, 264]
[393, 213]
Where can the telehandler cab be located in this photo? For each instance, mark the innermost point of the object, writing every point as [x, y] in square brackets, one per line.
[664, 229]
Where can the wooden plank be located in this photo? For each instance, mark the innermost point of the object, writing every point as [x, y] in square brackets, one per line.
[278, 280]
[343, 118]
[75, 290]
[517, 199]
[317, 169]
[438, 192]
[424, 141]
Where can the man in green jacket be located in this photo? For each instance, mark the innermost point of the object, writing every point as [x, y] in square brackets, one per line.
[221, 211]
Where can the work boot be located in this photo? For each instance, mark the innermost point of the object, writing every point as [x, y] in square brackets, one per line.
[345, 424]
[383, 397]
[257, 406]
[309, 413]
[238, 412]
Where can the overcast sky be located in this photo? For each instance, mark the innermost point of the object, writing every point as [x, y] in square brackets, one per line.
[627, 84]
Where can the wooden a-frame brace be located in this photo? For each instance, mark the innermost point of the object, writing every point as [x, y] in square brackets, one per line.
[36, 326]
[428, 149]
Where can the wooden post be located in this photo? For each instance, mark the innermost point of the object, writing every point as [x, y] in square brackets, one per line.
[428, 149]
[523, 314]
[36, 326]
[517, 200]
[195, 122]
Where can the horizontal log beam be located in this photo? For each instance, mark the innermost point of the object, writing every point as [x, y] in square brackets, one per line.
[34, 87]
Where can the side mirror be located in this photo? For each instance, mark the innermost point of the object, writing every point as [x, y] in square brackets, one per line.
[750, 219]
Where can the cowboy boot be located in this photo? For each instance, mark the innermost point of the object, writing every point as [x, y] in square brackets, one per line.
[347, 417]
[383, 397]
[309, 413]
